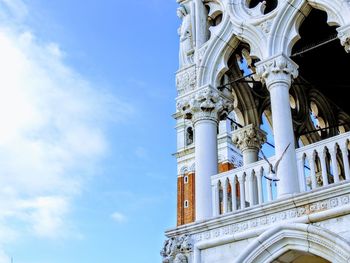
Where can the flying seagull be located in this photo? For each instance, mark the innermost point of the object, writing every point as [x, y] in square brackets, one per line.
[273, 169]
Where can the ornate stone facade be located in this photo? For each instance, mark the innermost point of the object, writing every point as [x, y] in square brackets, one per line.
[243, 57]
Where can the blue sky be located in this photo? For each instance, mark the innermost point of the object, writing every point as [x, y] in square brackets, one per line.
[87, 93]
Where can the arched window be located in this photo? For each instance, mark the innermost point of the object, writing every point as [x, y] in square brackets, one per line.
[189, 136]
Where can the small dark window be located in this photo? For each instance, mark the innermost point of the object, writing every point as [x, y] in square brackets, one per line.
[189, 136]
[186, 204]
[186, 179]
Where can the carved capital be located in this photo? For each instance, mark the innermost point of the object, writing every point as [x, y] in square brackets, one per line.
[278, 68]
[206, 104]
[344, 36]
[249, 137]
[176, 249]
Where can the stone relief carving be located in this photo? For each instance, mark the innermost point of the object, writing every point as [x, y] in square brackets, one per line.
[176, 249]
[205, 104]
[186, 80]
[266, 26]
[186, 38]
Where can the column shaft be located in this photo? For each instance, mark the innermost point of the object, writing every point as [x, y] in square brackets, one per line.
[278, 72]
[284, 135]
[206, 159]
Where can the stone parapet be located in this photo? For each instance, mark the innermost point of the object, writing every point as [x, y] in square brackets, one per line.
[306, 208]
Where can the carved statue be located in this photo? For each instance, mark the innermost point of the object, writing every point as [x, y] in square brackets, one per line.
[175, 249]
[185, 33]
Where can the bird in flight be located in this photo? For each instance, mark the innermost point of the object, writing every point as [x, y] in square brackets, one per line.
[273, 169]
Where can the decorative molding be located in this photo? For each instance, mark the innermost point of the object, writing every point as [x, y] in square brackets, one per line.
[200, 53]
[248, 137]
[270, 244]
[186, 80]
[176, 249]
[273, 218]
[206, 104]
[278, 68]
[184, 152]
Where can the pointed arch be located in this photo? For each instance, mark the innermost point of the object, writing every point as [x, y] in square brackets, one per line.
[214, 55]
[291, 15]
[294, 236]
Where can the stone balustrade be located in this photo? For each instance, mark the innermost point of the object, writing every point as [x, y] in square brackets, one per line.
[319, 165]
[323, 163]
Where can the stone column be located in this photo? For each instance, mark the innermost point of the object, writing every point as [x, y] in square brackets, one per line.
[278, 72]
[204, 108]
[344, 36]
[249, 140]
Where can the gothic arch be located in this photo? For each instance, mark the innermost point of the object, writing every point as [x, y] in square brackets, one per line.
[292, 14]
[218, 50]
[301, 237]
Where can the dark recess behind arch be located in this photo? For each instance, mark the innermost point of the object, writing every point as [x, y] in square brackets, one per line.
[326, 67]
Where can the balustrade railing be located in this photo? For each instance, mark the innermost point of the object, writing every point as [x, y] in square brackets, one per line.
[319, 164]
[242, 187]
[323, 163]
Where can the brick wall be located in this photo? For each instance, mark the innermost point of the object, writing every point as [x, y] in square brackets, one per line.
[186, 192]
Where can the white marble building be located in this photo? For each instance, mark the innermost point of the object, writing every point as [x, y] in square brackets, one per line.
[245, 65]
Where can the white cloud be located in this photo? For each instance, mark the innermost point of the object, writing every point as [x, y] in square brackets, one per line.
[3, 257]
[119, 217]
[16, 8]
[52, 132]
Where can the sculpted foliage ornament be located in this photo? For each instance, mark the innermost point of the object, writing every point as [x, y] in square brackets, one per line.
[277, 68]
[175, 249]
[248, 137]
[205, 104]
